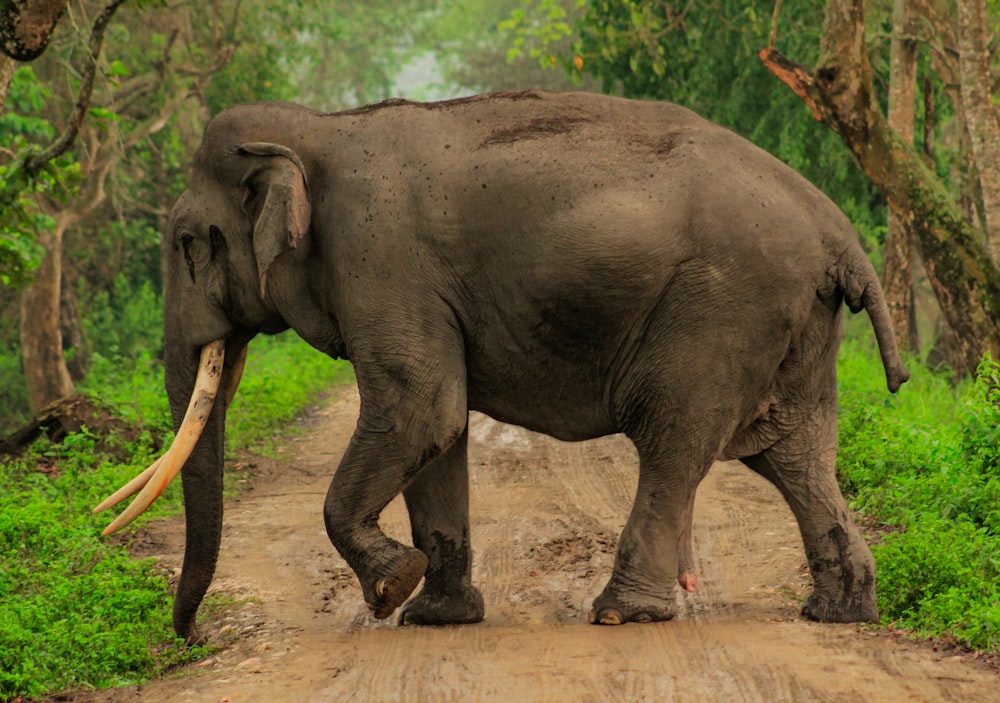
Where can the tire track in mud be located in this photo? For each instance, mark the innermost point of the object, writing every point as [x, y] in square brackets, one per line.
[545, 520]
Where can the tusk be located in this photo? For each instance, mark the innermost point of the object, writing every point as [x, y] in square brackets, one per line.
[154, 480]
[235, 374]
[130, 488]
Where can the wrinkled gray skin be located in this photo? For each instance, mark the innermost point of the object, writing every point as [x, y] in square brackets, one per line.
[576, 264]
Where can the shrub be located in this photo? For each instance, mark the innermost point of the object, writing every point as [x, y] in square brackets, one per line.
[926, 466]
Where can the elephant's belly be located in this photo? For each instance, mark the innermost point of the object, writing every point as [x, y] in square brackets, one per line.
[569, 409]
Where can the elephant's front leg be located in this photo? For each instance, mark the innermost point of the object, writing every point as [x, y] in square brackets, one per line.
[413, 409]
[438, 503]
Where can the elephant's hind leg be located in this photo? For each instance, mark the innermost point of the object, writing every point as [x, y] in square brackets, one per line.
[686, 577]
[654, 551]
[801, 466]
[438, 503]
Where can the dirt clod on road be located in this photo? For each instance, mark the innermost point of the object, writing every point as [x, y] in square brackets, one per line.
[545, 520]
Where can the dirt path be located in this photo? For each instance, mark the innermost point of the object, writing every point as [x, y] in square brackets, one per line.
[546, 516]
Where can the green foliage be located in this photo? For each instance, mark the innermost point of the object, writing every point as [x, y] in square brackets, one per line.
[126, 321]
[13, 392]
[926, 466]
[22, 129]
[538, 26]
[256, 72]
[133, 386]
[942, 576]
[287, 375]
[471, 43]
[338, 54]
[78, 611]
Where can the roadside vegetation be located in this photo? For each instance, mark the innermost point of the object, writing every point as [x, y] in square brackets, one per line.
[923, 470]
[78, 611]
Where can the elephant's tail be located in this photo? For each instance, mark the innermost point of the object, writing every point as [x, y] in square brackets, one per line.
[856, 279]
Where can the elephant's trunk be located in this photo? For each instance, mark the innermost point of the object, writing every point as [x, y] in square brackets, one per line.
[202, 476]
[202, 480]
[151, 483]
[198, 448]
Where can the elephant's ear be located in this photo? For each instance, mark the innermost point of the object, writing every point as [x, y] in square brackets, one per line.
[277, 194]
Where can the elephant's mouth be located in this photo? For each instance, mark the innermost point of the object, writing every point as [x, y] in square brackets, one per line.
[155, 479]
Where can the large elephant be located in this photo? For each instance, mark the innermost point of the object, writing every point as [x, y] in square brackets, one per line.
[576, 264]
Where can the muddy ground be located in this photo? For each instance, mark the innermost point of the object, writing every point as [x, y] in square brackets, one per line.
[545, 519]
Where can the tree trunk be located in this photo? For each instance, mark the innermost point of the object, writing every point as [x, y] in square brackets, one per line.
[7, 66]
[897, 258]
[841, 94]
[76, 347]
[45, 370]
[980, 115]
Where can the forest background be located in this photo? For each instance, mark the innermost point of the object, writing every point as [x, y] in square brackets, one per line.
[887, 106]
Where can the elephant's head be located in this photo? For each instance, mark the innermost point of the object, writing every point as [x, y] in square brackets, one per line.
[246, 207]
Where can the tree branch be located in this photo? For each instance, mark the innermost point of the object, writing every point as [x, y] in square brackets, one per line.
[104, 156]
[772, 38]
[792, 75]
[35, 163]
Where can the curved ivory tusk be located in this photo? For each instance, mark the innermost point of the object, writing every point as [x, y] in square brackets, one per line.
[235, 374]
[154, 480]
[139, 482]
[132, 487]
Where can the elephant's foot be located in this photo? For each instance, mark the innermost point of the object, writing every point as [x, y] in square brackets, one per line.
[843, 579]
[617, 607]
[438, 606]
[852, 607]
[394, 582]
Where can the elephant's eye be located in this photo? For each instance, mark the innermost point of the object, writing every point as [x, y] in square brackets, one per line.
[218, 241]
[187, 240]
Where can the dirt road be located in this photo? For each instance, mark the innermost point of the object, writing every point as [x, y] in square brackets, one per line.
[546, 516]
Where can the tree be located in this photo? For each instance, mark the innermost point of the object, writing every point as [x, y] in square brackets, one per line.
[99, 207]
[132, 105]
[25, 30]
[341, 54]
[897, 256]
[476, 43]
[980, 114]
[46, 373]
[26, 27]
[841, 93]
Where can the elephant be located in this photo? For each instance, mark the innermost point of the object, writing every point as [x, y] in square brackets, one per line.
[576, 264]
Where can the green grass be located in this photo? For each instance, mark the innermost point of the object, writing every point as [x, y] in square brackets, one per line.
[923, 468]
[77, 610]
